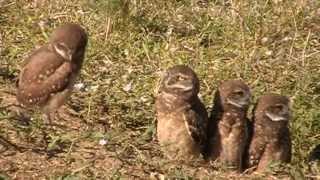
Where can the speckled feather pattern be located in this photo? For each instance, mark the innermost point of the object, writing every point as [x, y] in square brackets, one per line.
[228, 128]
[181, 131]
[46, 73]
[181, 116]
[271, 140]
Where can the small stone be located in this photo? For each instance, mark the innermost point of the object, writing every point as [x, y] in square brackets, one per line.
[103, 142]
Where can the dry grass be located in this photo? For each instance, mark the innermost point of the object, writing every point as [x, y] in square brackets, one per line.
[273, 45]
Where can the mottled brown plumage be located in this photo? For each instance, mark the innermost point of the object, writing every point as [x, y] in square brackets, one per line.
[228, 124]
[48, 74]
[271, 137]
[181, 117]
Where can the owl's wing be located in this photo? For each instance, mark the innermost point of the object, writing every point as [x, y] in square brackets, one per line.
[256, 146]
[285, 140]
[256, 150]
[245, 162]
[196, 120]
[44, 74]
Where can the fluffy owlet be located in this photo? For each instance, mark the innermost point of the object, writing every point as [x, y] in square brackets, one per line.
[271, 137]
[181, 117]
[47, 77]
[228, 124]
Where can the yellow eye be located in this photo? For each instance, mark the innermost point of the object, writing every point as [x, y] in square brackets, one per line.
[180, 78]
[239, 93]
[278, 107]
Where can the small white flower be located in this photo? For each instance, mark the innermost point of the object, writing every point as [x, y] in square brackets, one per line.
[287, 38]
[103, 142]
[264, 40]
[269, 53]
[79, 86]
[128, 87]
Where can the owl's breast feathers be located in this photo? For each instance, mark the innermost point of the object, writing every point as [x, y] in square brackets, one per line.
[193, 115]
[44, 73]
[230, 121]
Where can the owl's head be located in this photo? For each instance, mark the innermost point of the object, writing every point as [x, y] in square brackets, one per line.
[180, 80]
[235, 94]
[69, 41]
[273, 107]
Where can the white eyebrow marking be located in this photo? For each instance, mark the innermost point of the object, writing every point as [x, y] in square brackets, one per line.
[183, 75]
[275, 117]
[180, 86]
[62, 52]
[234, 103]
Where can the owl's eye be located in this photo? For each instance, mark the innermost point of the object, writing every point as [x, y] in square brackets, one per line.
[278, 108]
[61, 46]
[239, 93]
[181, 78]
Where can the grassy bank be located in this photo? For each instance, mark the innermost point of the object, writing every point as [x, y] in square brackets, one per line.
[274, 46]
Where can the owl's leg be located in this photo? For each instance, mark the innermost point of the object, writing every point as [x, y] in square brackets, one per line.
[54, 103]
[48, 118]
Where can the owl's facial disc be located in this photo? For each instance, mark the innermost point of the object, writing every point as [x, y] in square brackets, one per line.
[239, 98]
[63, 50]
[179, 82]
[278, 112]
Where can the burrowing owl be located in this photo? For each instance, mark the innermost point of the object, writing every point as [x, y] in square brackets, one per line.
[182, 118]
[228, 124]
[271, 137]
[48, 74]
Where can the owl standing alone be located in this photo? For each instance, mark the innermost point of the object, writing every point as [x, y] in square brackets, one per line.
[48, 75]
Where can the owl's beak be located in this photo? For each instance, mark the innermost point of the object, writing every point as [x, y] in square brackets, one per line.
[240, 103]
[70, 55]
[276, 117]
[185, 85]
